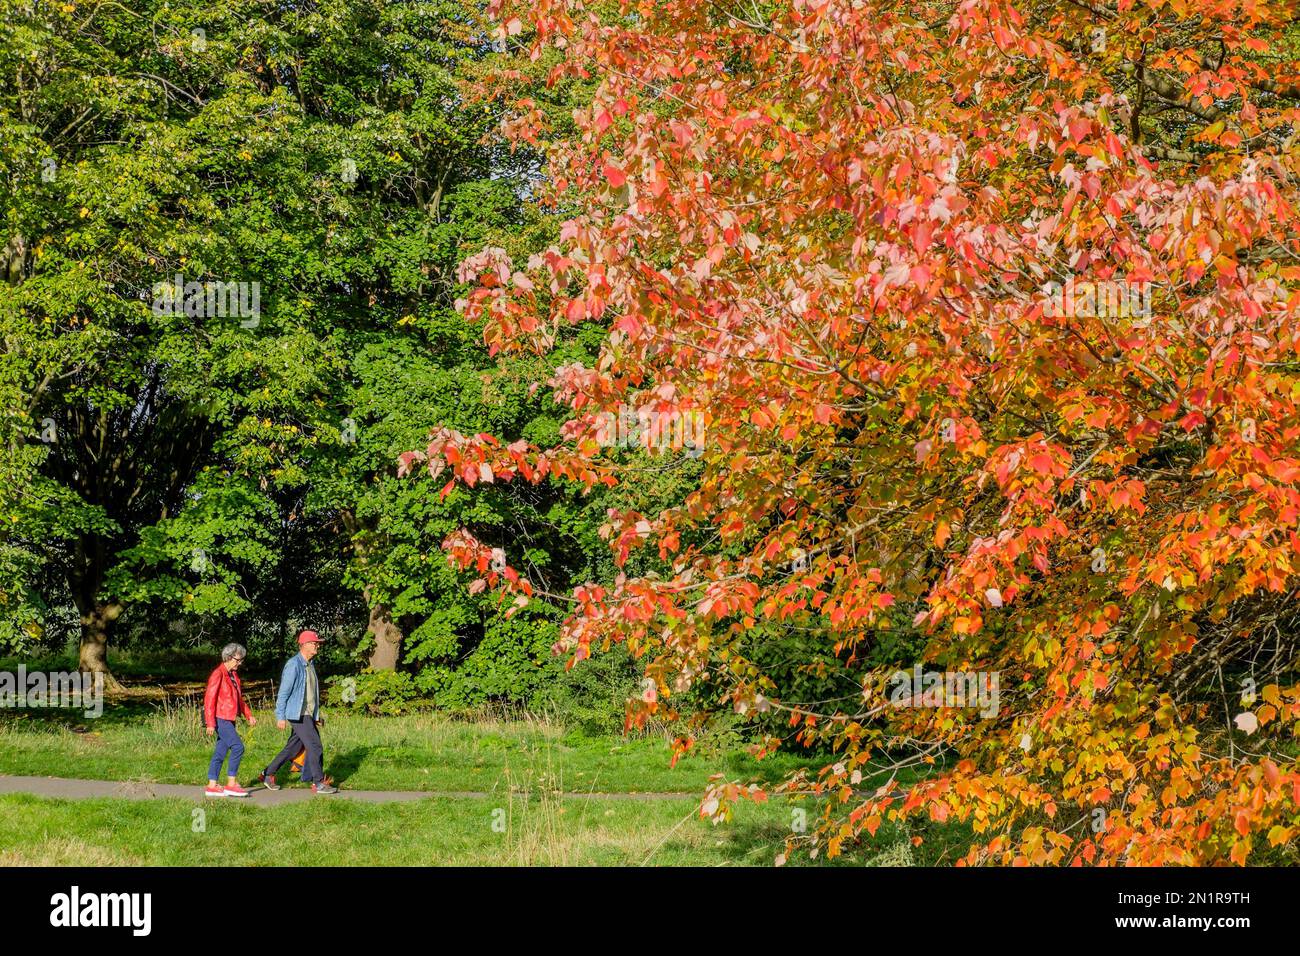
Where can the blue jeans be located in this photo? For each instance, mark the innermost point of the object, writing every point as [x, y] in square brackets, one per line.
[227, 740]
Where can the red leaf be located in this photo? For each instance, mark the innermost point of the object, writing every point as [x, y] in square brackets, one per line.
[615, 175]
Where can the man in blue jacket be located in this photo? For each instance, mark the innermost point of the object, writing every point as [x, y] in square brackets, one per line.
[298, 706]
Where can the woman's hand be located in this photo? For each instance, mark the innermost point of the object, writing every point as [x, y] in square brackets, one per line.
[211, 731]
[252, 721]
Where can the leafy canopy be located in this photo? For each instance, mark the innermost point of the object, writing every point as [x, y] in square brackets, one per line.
[833, 228]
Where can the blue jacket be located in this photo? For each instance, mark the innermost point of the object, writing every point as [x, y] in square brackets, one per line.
[293, 690]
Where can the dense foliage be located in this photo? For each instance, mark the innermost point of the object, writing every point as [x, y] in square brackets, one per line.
[744, 356]
[186, 475]
[991, 310]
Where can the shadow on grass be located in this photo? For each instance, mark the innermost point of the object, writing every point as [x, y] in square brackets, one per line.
[51, 719]
[758, 843]
[346, 764]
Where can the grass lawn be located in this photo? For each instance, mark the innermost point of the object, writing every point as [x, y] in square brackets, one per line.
[542, 787]
[521, 765]
[435, 831]
[167, 744]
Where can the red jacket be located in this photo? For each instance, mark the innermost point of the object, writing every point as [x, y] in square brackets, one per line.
[223, 699]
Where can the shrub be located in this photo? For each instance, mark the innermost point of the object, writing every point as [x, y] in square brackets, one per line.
[589, 698]
[380, 693]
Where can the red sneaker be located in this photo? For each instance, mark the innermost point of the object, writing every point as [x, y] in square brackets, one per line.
[213, 791]
[235, 791]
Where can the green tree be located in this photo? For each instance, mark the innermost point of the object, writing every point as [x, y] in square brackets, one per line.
[167, 461]
[144, 145]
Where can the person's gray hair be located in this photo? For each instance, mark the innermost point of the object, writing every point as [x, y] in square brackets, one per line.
[231, 651]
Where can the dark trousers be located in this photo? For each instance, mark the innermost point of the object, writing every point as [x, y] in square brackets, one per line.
[303, 736]
[227, 742]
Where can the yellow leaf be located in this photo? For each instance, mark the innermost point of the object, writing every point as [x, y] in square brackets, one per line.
[1240, 851]
[1213, 131]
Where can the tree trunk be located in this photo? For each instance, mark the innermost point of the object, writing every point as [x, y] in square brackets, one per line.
[14, 260]
[97, 620]
[388, 639]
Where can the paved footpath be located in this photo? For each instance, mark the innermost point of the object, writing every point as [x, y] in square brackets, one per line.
[71, 789]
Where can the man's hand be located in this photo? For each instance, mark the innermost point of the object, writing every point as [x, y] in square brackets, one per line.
[211, 731]
[282, 724]
[320, 722]
[252, 721]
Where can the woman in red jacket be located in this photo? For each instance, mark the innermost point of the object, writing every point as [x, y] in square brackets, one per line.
[222, 704]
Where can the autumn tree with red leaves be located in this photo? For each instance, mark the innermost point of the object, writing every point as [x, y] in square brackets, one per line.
[840, 231]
